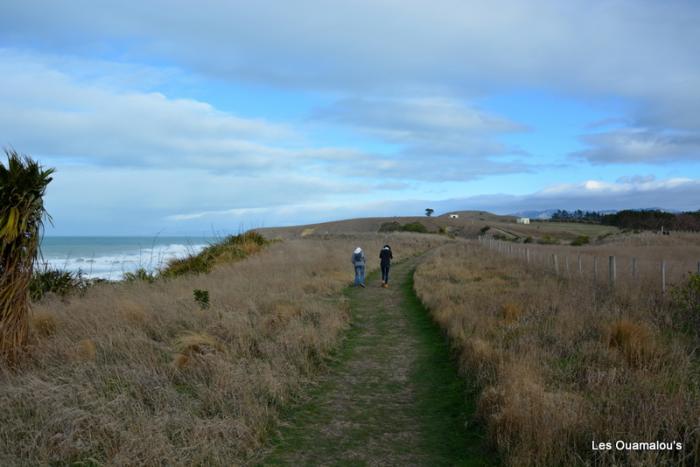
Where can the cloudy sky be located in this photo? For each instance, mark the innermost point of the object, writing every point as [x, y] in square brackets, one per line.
[186, 117]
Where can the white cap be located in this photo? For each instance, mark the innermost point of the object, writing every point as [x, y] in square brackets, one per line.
[358, 250]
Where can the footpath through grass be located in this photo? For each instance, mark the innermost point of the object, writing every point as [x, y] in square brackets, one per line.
[392, 396]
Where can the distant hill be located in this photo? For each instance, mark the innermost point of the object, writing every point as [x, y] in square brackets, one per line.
[467, 224]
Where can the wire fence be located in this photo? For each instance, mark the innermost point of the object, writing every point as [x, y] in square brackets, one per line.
[614, 270]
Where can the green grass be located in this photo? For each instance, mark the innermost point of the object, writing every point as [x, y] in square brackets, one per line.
[390, 331]
[231, 248]
[447, 412]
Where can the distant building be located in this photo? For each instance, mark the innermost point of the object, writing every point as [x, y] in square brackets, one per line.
[523, 220]
[454, 216]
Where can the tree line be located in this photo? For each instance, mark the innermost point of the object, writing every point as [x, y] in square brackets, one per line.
[646, 219]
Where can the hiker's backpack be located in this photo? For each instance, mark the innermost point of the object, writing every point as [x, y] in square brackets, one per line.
[357, 257]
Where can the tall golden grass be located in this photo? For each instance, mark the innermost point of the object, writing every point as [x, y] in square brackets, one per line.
[138, 374]
[563, 363]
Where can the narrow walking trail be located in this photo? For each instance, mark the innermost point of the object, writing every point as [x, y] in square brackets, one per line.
[392, 397]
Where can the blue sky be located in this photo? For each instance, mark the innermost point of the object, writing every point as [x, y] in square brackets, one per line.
[191, 117]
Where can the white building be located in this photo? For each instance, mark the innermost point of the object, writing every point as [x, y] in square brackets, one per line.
[454, 216]
[523, 220]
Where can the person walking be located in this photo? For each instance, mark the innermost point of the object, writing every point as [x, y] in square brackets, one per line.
[358, 260]
[385, 257]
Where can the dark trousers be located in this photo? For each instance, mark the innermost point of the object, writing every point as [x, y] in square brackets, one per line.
[385, 273]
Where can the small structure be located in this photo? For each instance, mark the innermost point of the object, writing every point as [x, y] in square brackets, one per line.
[454, 216]
[523, 220]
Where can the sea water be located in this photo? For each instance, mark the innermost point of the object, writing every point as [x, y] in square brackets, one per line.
[110, 257]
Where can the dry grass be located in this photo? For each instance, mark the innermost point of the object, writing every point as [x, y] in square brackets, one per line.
[43, 324]
[638, 258]
[138, 374]
[562, 363]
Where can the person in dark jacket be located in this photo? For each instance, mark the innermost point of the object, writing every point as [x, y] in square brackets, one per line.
[385, 257]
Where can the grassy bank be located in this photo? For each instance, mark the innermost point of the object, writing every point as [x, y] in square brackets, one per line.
[140, 373]
[563, 364]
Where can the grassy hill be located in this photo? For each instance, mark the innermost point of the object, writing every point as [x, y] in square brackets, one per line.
[469, 224]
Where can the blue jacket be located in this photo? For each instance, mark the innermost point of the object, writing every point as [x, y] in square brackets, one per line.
[360, 261]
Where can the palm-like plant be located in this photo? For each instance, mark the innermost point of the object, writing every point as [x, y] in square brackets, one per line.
[22, 186]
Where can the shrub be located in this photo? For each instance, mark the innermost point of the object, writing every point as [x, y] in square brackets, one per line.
[394, 226]
[528, 239]
[140, 275]
[547, 240]
[390, 227]
[581, 240]
[416, 227]
[686, 304]
[231, 248]
[484, 229]
[201, 297]
[55, 281]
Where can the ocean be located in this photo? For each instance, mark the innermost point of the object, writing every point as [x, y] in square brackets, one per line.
[110, 257]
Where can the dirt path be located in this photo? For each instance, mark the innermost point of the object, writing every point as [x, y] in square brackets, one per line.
[392, 397]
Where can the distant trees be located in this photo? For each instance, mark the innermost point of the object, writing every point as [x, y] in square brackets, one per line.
[588, 217]
[645, 219]
[653, 220]
[429, 212]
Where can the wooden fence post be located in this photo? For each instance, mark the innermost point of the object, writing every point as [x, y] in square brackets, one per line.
[556, 264]
[663, 276]
[595, 269]
[527, 256]
[634, 268]
[580, 266]
[612, 270]
[568, 271]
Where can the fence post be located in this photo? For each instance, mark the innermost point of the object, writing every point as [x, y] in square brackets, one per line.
[612, 270]
[556, 264]
[527, 256]
[580, 266]
[568, 272]
[663, 276]
[595, 269]
[634, 268]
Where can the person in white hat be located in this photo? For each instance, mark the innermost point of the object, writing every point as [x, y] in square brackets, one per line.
[358, 260]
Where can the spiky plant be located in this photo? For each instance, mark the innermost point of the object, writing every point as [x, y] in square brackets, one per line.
[22, 185]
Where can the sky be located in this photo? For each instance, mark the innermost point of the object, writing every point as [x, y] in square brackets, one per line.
[190, 118]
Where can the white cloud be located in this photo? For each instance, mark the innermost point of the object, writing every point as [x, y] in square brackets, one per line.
[629, 193]
[45, 111]
[640, 145]
[643, 51]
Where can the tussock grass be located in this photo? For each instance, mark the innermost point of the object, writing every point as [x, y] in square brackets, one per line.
[563, 363]
[136, 373]
[43, 324]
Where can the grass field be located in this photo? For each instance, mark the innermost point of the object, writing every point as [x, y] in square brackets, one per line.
[139, 374]
[564, 363]
[147, 372]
